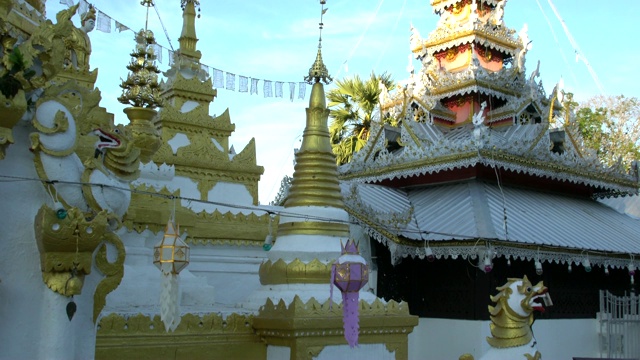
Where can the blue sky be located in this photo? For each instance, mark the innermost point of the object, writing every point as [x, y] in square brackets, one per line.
[277, 41]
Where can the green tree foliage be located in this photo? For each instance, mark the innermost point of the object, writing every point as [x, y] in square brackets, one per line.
[610, 125]
[352, 103]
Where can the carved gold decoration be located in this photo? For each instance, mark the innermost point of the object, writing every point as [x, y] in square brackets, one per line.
[66, 240]
[315, 177]
[27, 64]
[142, 337]
[451, 54]
[113, 271]
[487, 55]
[309, 327]
[141, 88]
[203, 228]
[537, 356]
[144, 131]
[11, 111]
[314, 272]
[181, 89]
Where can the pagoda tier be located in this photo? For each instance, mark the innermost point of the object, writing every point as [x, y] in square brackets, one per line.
[471, 105]
[471, 58]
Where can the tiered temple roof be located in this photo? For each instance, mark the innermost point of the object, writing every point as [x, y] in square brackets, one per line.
[471, 115]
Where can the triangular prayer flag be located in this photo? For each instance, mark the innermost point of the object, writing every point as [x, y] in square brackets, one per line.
[120, 27]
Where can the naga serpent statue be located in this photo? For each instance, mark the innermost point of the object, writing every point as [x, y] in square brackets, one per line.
[86, 163]
[511, 320]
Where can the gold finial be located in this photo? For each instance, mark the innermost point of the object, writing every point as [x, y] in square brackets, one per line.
[141, 88]
[183, 5]
[188, 37]
[147, 4]
[318, 70]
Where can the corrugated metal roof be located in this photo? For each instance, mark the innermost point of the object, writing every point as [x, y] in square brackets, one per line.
[476, 210]
[440, 214]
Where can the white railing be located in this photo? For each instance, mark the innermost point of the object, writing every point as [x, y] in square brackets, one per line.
[619, 319]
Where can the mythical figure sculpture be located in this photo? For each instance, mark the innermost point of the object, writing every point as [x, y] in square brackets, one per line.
[525, 46]
[511, 319]
[79, 44]
[496, 18]
[86, 164]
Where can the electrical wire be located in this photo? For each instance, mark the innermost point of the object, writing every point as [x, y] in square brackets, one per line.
[555, 38]
[364, 33]
[269, 210]
[395, 26]
[576, 48]
[163, 27]
[272, 211]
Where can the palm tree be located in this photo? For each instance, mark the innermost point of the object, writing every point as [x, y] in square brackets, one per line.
[352, 102]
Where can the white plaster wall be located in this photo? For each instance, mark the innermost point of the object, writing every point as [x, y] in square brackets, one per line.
[438, 339]
[139, 290]
[34, 319]
[362, 352]
[231, 270]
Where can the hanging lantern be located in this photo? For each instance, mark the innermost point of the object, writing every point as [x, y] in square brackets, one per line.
[170, 255]
[350, 274]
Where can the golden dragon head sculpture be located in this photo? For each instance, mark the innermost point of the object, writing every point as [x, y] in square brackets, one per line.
[511, 320]
[512, 316]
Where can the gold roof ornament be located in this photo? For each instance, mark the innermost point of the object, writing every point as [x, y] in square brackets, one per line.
[141, 88]
[318, 70]
[188, 37]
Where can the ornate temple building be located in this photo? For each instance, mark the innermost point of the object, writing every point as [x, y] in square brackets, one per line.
[146, 240]
[485, 179]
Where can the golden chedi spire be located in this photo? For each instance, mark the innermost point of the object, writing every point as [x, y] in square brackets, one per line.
[315, 177]
[188, 37]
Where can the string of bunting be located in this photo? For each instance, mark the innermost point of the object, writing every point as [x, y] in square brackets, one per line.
[221, 79]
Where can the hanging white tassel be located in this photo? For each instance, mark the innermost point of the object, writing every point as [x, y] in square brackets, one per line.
[169, 306]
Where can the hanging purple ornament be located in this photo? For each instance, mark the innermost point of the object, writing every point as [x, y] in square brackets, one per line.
[350, 274]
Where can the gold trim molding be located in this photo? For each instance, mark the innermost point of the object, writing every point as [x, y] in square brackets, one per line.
[144, 337]
[313, 228]
[314, 272]
[307, 328]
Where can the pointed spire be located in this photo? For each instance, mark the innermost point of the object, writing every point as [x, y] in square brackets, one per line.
[318, 70]
[315, 179]
[188, 37]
